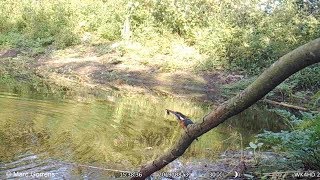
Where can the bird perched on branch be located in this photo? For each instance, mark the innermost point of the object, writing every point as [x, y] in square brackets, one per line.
[183, 120]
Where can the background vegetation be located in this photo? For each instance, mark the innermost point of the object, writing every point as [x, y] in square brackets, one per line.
[245, 35]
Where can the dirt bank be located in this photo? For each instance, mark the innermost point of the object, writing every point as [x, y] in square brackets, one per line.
[85, 67]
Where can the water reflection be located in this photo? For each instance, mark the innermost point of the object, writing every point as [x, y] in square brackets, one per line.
[117, 132]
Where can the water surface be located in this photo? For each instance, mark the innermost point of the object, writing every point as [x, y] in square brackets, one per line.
[97, 137]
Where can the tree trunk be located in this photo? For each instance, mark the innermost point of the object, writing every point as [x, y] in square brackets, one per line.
[287, 65]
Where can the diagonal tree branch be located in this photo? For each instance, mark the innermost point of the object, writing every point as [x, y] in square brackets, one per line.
[287, 65]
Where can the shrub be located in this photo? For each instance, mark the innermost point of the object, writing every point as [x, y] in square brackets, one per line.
[300, 144]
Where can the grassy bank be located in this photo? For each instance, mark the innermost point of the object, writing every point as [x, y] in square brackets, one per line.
[18, 76]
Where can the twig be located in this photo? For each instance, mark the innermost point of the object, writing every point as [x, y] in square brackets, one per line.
[285, 105]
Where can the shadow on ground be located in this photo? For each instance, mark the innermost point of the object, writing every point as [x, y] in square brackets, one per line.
[87, 66]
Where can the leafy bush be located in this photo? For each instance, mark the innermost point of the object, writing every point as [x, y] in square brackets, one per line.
[300, 144]
[308, 78]
[61, 22]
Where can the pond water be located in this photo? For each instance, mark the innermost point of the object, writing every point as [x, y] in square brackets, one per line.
[96, 137]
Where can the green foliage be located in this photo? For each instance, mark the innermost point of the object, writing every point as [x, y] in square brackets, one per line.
[301, 144]
[237, 34]
[36, 24]
[301, 86]
[308, 78]
[62, 23]
[181, 17]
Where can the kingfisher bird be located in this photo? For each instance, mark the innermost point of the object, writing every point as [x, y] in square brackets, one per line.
[184, 121]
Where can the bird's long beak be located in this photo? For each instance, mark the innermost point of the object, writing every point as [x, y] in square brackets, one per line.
[169, 111]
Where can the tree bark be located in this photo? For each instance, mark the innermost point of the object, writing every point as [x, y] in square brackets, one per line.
[287, 65]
